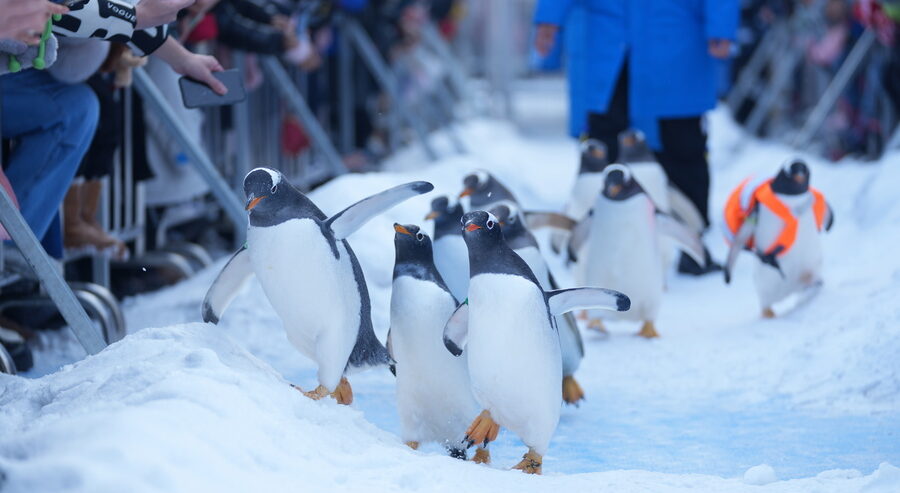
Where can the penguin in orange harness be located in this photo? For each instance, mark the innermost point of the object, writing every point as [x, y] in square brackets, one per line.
[779, 219]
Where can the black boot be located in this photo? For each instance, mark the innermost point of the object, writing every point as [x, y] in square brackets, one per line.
[687, 265]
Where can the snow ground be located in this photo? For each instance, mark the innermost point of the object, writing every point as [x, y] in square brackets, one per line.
[813, 395]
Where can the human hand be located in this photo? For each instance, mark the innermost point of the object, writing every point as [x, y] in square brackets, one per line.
[545, 38]
[720, 48]
[152, 13]
[25, 20]
[197, 67]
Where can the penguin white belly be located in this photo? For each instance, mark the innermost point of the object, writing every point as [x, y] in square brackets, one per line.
[654, 181]
[570, 347]
[315, 294]
[622, 253]
[801, 265]
[514, 357]
[451, 257]
[434, 393]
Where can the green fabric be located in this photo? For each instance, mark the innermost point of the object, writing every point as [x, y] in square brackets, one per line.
[892, 10]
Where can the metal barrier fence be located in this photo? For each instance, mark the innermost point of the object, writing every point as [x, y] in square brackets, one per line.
[223, 158]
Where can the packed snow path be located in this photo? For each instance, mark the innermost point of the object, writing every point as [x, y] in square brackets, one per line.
[815, 394]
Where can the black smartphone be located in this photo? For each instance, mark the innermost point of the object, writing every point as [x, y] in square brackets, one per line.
[195, 94]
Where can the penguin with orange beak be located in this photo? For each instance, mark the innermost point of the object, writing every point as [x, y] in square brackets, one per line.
[508, 332]
[434, 392]
[781, 220]
[485, 191]
[310, 275]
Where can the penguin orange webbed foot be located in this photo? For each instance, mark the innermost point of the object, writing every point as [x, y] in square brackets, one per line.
[598, 325]
[413, 445]
[315, 395]
[768, 313]
[571, 391]
[482, 456]
[531, 463]
[483, 430]
[648, 331]
[343, 394]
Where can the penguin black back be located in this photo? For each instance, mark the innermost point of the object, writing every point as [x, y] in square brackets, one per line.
[792, 179]
[272, 200]
[414, 256]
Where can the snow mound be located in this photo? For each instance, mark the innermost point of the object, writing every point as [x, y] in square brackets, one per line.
[760, 475]
[184, 408]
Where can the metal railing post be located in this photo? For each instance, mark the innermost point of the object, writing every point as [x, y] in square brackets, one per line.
[241, 112]
[346, 93]
[386, 80]
[50, 276]
[848, 69]
[155, 101]
[272, 66]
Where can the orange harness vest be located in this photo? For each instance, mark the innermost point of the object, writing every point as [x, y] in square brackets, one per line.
[741, 204]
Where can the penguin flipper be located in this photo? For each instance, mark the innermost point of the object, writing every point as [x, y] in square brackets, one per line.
[344, 223]
[566, 300]
[684, 209]
[457, 329]
[227, 285]
[555, 220]
[688, 240]
[740, 239]
[571, 323]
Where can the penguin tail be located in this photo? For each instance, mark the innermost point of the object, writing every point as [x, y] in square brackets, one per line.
[368, 353]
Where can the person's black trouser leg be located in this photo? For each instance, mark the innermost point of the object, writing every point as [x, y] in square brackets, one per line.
[683, 157]
[606, 127]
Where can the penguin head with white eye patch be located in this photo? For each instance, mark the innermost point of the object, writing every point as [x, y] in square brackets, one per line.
[594, 156]
[792, 178]
[633, 147]
[411, 244]
[442, 212]
[510, 220]
[476, 182]
[266, 190]
[618, 183]
[481, 228]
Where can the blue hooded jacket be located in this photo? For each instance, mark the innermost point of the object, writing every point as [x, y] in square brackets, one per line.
[671, 73]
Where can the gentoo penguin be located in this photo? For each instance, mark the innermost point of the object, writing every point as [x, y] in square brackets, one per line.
[310, 275]
[508, 332]
[524, 244]
[589, 182]
[779, 220]
[618, 245]
[485, 191]
[434, 393]
[450, 254]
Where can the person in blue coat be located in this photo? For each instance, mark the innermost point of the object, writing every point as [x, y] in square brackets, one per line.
[650, 65]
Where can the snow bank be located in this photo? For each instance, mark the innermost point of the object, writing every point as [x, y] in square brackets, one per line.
[185, 408]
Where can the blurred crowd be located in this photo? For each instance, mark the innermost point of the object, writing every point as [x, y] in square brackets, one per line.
[65, 68]
[824, 32]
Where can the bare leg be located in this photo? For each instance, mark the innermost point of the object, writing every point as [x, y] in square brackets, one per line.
[343, 394]
[597, 324]
[413, 445]
[768, 312]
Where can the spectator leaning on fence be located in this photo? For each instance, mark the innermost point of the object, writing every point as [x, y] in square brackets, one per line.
[54, 121]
